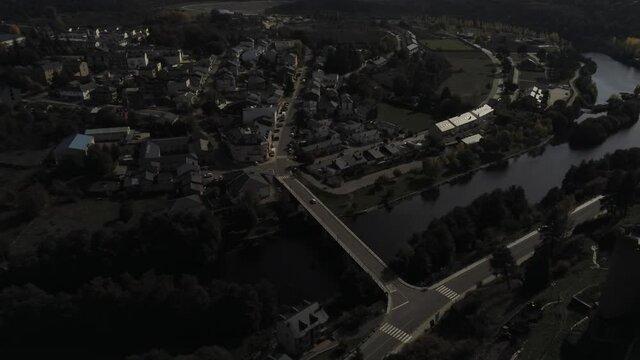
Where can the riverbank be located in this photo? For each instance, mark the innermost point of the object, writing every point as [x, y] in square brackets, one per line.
[398, 189]
[386, 231]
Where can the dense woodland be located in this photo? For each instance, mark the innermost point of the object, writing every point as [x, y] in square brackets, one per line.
[144, 287]
[472, 230]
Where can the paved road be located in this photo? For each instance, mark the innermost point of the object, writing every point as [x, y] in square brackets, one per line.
[572, 84]
[412, 310]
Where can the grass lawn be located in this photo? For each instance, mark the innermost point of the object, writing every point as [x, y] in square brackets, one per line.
[364, 198]
[246, 7]
[472, 75]
[87, 214]
[528, 79]
[406, 119]
[446, 45]
[547, 335]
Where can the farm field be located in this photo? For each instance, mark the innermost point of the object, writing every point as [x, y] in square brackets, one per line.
[472, 75]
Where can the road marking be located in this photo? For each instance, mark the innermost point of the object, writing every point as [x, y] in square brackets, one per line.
[392, 288]
[399, 306]
[445, 291]
[396, 333]
[283, 177]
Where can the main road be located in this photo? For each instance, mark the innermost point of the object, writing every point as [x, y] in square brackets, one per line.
[411, 310]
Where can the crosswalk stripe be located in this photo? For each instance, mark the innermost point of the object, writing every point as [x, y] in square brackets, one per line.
[396, 333]
[448, 293]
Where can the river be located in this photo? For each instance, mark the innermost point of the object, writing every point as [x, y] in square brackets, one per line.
[387, 231]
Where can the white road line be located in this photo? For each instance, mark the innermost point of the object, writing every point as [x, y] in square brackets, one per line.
[448, 293]
[396, 333]
[399, 306]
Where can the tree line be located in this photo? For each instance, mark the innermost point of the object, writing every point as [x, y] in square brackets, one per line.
[464, 233]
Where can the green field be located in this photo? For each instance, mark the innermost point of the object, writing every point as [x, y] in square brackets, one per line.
[245, 7]
[528, 79]
[406, 119]
[446, 45]
[471, 77]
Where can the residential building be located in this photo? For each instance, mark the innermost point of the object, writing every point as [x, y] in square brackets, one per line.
[226, 81]
[444, 128]
[249, 144]
[241, 185]
[325, 147]
[473, 139]
[47, 71]
[104, 95]
[192, 203]
[483, 112]
[171, 153]
[349, 128]
[110, 135]
[10, 40]
[74, 147]
[76, 91]
[365, 137]
[299, 331]
[464, 122]
[373, 155]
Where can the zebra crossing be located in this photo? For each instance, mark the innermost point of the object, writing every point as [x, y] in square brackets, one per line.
[396, 333]
[445, 291]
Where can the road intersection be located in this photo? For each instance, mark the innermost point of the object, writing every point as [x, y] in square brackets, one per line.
[411, 310]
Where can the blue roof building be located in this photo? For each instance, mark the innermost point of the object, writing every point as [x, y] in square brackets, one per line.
[75, 146]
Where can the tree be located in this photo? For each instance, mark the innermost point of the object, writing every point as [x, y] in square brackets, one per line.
[33, 200]
[431, 168]
[99, 162]
[537, 274]
[126, 211]
[502, 262]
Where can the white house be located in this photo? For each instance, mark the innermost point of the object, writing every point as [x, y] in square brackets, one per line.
[299, 331]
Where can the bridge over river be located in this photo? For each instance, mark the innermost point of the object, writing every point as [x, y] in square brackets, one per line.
[411, 310]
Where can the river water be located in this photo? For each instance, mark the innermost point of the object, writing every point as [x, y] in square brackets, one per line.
[387, 231]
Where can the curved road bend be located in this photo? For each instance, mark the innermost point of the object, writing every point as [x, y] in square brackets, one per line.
[411, 310]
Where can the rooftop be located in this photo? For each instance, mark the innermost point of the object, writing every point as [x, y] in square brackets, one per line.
[306, 319]
[445, 126]
[463, 119]
[473, 139]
